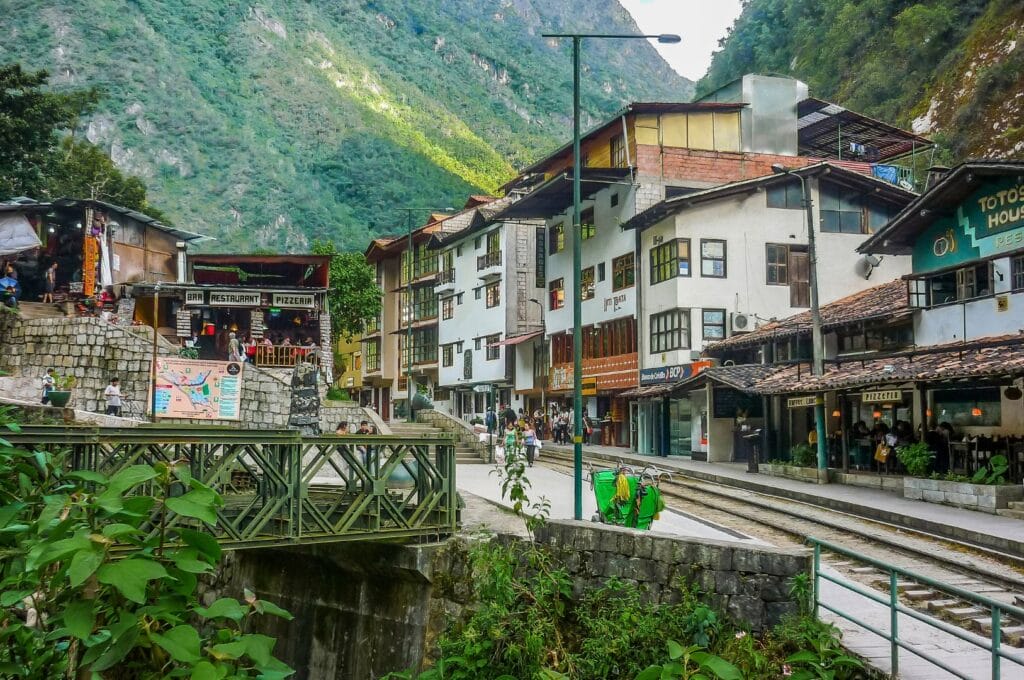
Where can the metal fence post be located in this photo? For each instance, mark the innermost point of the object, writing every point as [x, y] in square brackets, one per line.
[817, 577]
[894, 617]
[997, 634]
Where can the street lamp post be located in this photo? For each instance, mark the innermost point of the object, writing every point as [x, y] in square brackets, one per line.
[577, 339]
[817, 348]
[152, 375]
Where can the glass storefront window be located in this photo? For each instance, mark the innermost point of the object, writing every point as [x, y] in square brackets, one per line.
[680, 427]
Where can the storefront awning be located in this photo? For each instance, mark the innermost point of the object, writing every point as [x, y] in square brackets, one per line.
[17, 234]
[516, 339]
[649, 391]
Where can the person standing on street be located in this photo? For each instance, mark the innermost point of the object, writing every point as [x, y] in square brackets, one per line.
[530, 442]
[113, 397]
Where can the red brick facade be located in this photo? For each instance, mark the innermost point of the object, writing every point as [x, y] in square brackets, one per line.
[716, 167]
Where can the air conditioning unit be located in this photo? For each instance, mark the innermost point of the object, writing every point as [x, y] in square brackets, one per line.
[742, 323]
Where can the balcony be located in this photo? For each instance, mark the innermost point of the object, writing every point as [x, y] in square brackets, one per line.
[445, 282]
[488, 265]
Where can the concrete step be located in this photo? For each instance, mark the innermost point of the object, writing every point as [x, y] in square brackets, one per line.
[919, 595]
[39, 310]
[1006, 512]
[936, 606]
[1015, 505]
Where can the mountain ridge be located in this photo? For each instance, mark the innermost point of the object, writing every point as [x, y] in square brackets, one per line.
[274, 124]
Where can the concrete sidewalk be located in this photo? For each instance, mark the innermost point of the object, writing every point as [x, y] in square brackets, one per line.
[991, 531]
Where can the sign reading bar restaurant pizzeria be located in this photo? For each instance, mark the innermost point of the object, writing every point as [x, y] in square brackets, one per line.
[800, 402]
[881, 396]
[301, 300]
[195, 297]
[224, 298]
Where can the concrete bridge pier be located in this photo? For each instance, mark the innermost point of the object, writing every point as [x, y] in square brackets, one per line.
[361, 609]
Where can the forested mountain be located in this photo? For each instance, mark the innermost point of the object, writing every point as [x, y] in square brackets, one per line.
[274, 124]
[950, 68]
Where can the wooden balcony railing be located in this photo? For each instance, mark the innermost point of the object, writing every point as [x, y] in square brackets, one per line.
[282, 355]
[492, 259]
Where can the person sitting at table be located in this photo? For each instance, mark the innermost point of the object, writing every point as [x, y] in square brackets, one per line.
[267, 342]
[287, 342]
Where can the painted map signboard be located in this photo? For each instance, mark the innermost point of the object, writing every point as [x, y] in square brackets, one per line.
[203, 390]
[989, 222]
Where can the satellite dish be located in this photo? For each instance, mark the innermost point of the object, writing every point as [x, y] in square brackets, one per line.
[866, 265]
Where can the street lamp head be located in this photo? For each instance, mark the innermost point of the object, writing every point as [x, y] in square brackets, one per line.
[669, 39]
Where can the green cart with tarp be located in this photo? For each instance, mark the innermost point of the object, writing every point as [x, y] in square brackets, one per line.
[627, 498]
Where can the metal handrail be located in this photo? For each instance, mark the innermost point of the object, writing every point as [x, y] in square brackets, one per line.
[997, 610]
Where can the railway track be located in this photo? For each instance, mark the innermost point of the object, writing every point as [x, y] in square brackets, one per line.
[785, 522]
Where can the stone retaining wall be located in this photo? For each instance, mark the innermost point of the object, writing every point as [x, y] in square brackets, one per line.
[93, 351]
[750, 583]
[981, 497]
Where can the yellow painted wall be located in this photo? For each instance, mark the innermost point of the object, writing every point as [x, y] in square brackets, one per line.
[348, 363]
[705, 130]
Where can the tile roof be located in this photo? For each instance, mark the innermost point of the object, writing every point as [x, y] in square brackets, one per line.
[991, 357]
[887, 301]
[742, 377]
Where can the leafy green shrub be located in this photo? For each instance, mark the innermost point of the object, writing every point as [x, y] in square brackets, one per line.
[94, 583]
[916, 458]
[336, 394]
[188, 353]
[803, 455]
[992, 473]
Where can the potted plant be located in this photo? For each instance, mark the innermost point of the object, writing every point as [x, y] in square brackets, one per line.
[60, 395]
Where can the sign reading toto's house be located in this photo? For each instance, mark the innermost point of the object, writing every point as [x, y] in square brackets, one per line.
[225, 298]
[988, 222]
[665, 374]
[203, 390]
[300, 300]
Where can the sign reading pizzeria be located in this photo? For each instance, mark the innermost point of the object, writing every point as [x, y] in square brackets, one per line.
[223, 298]
[293, 300]
[881, 396]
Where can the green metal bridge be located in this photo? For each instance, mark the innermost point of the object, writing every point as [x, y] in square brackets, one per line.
[280, 488]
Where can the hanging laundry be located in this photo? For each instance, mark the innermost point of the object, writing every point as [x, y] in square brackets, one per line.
[890, 173]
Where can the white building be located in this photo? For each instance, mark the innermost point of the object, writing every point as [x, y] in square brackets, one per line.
[718, 262]
[487, 279]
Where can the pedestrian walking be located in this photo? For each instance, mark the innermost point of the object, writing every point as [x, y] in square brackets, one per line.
[234, 348]
[113, 396]
[512, 439]
[49, 384]
[530, 443]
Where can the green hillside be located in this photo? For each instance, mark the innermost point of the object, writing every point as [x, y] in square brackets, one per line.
[275, 124]
[950, 68]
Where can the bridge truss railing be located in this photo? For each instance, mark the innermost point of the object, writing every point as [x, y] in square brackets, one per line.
[280, 488]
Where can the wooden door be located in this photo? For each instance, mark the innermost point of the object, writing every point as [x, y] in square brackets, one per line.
[799, 280]
[385, 404]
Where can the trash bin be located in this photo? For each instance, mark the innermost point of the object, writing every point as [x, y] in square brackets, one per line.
[753, 439]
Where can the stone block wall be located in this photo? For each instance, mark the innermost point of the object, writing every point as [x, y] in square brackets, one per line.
[93, 351]
[981, 497]
[750, 583]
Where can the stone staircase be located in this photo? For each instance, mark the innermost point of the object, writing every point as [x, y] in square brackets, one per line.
[39, 310]
[1014, 509]
[468, 450]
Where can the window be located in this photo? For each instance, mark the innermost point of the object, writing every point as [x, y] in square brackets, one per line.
[842, 210]
[477, 242]
[424, 304]
[448, 308]
[493, 294]
[1017, 272]
[371, 352]
[587, 227]
[618, 151]
[458, 298]
[670, 260]
[878, 339]
[712, 258]
[777, 258]
[670, 330]
[556, 238]
[587, 284]
[477, 293]
[713, 324]
[788, 194]
[967, 407]
[614, 199]
[447, 355]
[476, 343]
[556, 294]
[959, 285]
[623, 272]
[424, 347]
[494, 241]
[447, 267]
[600, 272]
[541, 265]
[493, 351]
[612, 338]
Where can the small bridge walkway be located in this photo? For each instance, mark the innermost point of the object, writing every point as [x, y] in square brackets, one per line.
[280, 488]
